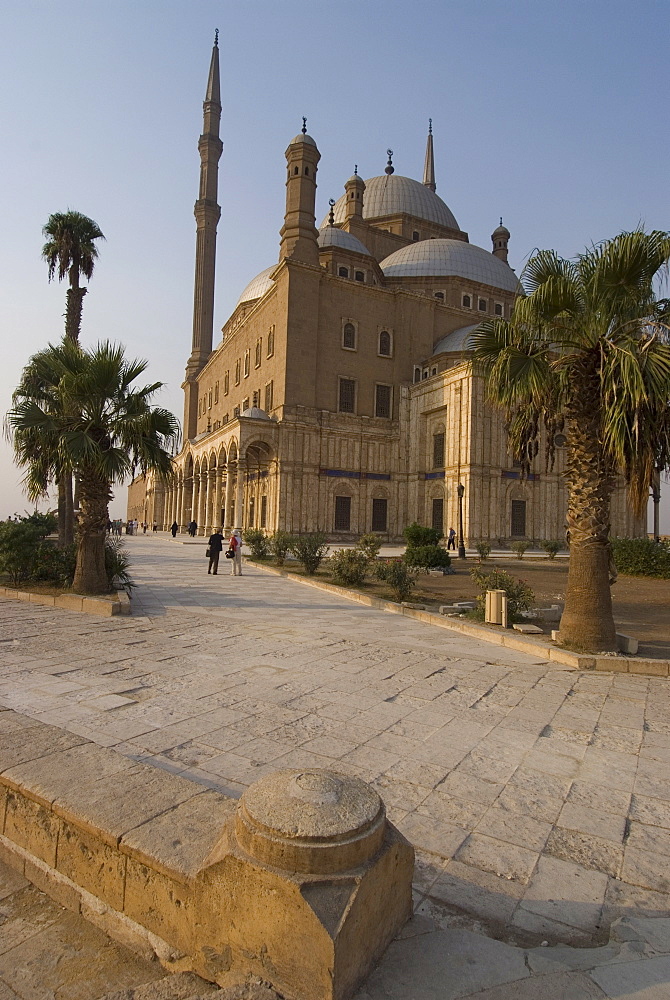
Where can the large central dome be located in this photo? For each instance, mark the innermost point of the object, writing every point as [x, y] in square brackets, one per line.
[392, 194]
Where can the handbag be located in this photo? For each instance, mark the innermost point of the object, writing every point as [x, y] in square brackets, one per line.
[230, 554]
[208, 553]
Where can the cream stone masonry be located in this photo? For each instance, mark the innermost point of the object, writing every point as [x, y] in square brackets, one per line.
[287, 427]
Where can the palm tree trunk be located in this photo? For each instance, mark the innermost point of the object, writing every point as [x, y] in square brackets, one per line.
[90, 576]
[68, 524]
[61, 512]
[587, 622]
[75, 298]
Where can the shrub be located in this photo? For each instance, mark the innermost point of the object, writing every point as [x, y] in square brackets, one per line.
[519, 548]
[417, 536]
[550, 547]
[348, 567]
[310, 550]
[19, 541]
[427, 557]
[55, 565]
[280, 545]
[117, 564]
[257, 541]
[484, 550]
[642, 557]
[519, 595]
[400, 578]
[369, 545]
[45, 523]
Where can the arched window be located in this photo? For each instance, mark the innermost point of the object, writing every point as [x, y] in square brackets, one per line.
[349, 336]
[438, 450]
[343, 272]
[385, 344]
[359, 275]
[467, 302]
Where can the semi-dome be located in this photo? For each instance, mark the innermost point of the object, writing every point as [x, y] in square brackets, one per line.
[255, 413]
[258, 287]
[444, 258]
[392, 194]
[331, 236]
[455, 341]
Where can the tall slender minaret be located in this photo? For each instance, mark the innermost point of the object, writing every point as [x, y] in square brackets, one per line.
[429, 162]
[299, 234]
[207, 213]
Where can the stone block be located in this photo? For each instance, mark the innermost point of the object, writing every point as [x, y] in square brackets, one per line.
[627, 644]
[413, 607]
[98, 606]
[59, 889]
[70, 602]
[527, 629]
[92, 864]
[32, 826]
[47, 599]
[164, 905]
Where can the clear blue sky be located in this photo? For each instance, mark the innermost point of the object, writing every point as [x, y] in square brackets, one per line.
[553, 115]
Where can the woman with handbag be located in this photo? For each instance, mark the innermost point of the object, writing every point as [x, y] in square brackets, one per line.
[214, 551]
[234, 553]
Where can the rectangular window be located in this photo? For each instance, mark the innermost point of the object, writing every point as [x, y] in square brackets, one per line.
[269, 392]
[271, 341]
[238, 367]
[482, 305]
[247, 362]
[438, 450]
[216, 392]
[259, 352]
[379, 515]
[349, 337]
[438, 514]
[209, 399]
[518, 518]
[252, 511]
[226, 383]
[264, 511]
[498, 308]
[347, 400]
[382, 400]
[342, 513]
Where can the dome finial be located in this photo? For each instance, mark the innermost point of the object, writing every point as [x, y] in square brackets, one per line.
[304, 125]
[216, 38]
[501, 220]
[389, 165]
[430, 126]
[331, 214]
[355, 170]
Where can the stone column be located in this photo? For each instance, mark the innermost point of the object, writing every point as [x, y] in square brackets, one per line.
[239, 495]
[228, 502]
[179, 516]
[207, 519]
[202, 505]
[194, 496]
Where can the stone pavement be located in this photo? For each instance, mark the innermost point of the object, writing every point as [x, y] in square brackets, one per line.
[539, 797]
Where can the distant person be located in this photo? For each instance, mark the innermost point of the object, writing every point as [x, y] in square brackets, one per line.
[235, 546]
[174, 529]
[155, 528]
[215, 547]
[451, 541]
[193, 528]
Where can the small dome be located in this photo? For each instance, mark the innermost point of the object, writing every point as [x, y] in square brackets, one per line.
[391, 194]
[255, 413]
[444, 258]
[501, 231]
[261, 284]
[331, 236]
[455, 341]
[302, 137]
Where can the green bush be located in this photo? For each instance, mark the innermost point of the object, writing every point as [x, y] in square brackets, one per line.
[280, 545]
[550, 547]
[484, 550]
[416, 536]
[369, 545]
[19, 542]
[400, 578]
[54, 565]
[117, 564]
[519, 548]
[427, 557]
[519, 595]
[642, 557]
[348, 566]
[45, 523]
[310, 550]
[257, 541]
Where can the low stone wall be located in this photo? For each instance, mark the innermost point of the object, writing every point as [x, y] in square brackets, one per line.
[116, 604]
[303, 883]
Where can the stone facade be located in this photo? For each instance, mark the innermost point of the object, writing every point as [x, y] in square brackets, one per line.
[340, 398]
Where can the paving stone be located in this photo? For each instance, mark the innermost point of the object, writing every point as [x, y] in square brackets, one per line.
[482, 894]
[565, 986]
[586, 850]
[566, 892]
[652, 811]
[514, 828]
[498, 857]
[581, 818]
[647, 980]
[646, 869]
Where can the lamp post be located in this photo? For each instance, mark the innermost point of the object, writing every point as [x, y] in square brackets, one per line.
[656, 497]
[461, 542]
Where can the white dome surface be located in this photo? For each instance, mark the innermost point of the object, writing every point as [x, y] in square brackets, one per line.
[443, 258]
[331, 236]
[455, 341]
[261, 284]
[391, 194]
[255, 413]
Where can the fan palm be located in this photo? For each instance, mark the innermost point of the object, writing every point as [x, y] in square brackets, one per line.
[586, 352]
[90, 420]
[70, 252]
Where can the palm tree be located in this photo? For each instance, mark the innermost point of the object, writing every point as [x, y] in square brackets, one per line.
[70, 252]
[587, 353]
[93, 422]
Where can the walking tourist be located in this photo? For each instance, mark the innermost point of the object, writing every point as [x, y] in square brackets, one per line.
[451, 542]
[174, 529]
[235, 546]
[214, 550]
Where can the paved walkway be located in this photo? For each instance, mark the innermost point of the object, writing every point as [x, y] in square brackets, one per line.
[539, 797]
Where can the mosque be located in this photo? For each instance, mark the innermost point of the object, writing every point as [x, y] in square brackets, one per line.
[339, 398]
